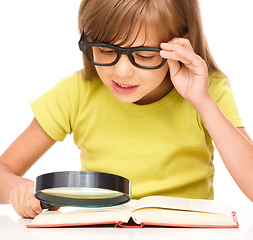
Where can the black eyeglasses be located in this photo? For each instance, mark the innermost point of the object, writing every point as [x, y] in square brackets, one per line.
[102, 54]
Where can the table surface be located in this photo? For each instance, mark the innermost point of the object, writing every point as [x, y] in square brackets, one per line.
[13, 227]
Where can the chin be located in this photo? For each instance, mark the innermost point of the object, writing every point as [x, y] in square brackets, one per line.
[126, 99]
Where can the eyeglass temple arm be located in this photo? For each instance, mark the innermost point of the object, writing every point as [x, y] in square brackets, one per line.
[81, 37]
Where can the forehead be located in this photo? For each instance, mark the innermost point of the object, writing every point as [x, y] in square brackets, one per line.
[141, 37]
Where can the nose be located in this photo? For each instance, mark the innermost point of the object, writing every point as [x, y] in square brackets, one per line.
[124, 68]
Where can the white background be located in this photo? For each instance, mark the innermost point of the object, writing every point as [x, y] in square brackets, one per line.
[38, 47]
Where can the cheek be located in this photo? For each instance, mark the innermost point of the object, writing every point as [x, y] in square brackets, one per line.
[104, 74]
[164, 70]
[101, 72]
[158, 75]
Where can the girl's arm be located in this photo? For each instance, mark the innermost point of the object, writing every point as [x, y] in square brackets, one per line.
[191, 81]
[233, 144]
[14, 163]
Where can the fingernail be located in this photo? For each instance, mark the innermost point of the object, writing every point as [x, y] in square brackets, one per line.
[164, 44]
[162, 52]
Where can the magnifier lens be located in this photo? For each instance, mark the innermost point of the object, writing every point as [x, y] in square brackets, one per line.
[79, 192]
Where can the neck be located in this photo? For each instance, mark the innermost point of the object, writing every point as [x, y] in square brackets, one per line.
[157, 94]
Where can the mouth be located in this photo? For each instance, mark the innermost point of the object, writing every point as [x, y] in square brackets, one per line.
[124, 88]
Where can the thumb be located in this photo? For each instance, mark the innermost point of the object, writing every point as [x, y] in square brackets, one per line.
[174, 67]
[54, 208]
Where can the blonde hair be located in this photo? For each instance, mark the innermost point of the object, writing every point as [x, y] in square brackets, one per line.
[111, 21]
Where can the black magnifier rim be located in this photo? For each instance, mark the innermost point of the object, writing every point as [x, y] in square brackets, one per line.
[83, 179]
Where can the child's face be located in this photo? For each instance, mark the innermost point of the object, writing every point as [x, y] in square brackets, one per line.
[130, 84]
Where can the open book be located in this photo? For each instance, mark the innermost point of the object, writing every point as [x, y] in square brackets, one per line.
[153, 210]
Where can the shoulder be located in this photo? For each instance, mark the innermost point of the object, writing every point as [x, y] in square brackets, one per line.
[216, 79]
[72, 81]
[221, 91]
[77, 80]
[219, 85]
[76, 86]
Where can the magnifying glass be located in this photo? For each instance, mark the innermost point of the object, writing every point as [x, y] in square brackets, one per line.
[82, 189]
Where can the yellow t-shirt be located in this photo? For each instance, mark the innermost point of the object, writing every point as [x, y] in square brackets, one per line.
[163, 147]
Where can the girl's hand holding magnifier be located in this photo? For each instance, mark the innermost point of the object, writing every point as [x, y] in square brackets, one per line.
[188, 71]
[24, 202]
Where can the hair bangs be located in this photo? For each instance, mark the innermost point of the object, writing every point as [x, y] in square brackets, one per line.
[165, 20]
[113, 21]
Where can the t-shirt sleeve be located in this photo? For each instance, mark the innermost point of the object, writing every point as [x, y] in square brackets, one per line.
[56, 110]
[220, 90]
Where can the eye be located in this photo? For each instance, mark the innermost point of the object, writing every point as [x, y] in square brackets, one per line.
[144, 55]
[105, 50]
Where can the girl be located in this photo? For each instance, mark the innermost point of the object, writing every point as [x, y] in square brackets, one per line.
[147, 106]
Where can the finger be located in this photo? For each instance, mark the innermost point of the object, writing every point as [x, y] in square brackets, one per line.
[172, 57]
[54, 208]
[32, 205]
[16, 208]
[34, 202]
[177, 43]
[29, 207]
[24, 202]
[191, 60]
[172, 51]
[35, 205]
[16, 202]
[176, 55]
[177, 52]
[174, 67]
[22, 208]
[177, 48]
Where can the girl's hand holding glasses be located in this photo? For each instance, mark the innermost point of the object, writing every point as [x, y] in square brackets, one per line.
[188, 71]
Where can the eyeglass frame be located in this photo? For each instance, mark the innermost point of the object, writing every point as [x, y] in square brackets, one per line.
[83, 46]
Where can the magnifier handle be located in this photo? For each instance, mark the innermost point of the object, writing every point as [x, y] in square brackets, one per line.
[46, 205]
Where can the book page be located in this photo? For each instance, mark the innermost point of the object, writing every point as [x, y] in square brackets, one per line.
[171, 217]
[69, 216]
[197, 205]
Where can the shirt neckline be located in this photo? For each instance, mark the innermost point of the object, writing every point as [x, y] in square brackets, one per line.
[154, 105]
